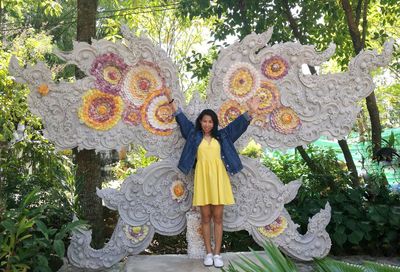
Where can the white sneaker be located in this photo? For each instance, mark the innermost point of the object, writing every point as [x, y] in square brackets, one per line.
[208, 260]
[218, 262]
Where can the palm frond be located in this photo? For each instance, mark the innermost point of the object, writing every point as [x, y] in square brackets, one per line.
[273, 261]
[378, 267]
[330, 265]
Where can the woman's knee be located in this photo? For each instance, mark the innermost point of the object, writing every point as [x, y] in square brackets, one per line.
[217, 219]
[205, 214]
[206, 218]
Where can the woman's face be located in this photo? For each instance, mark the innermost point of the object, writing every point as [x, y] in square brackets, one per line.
[207, 124]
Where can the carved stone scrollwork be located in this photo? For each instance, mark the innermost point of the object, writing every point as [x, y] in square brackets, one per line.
[126, 239]
[159, 195]
[259, 195]
[283, 232]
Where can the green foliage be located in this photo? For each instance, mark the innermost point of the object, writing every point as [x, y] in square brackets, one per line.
[314, 22]
[136, 158]
[56, 18]
[364, 220]
[252, 150]
[389, 104]
[199, 64]
[25, 239]
[329, 174]
[238, 241]
[26, 157]
[33, 225]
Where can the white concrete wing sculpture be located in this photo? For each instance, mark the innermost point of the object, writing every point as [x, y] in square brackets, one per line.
[121, 101]
[296, 109]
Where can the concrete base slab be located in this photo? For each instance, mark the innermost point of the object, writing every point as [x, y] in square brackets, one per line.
[181, 263]
[175, 263]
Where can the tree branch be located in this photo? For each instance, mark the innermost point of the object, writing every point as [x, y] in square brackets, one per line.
[365, 24]
[295, 28]
[358, 11]
[353, 28]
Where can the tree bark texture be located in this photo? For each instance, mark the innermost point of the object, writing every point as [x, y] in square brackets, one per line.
[359, 44]
[350, 162]
[88, 172]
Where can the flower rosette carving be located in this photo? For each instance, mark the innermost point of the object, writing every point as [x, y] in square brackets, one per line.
[178, 190]
[109, 70]
[275, 67]
[136, 234]
[141, 81]
[135, 239]
[229, 111]
[260, 120]
[132, 115]
[43, 89]
[275, 228]
[241, 81]
[285, 120]
[269, 97]
[156, 114]
[99, 110]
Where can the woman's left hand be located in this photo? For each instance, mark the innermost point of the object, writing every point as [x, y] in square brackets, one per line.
[253, 104]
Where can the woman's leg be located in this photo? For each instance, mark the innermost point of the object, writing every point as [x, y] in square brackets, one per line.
[205, 212]
[217, 213]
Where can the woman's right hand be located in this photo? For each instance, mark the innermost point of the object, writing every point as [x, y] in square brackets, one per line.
[168, 94]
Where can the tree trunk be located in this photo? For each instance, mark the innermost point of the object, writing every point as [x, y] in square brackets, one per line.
[88, 177]
[86, 24]
[88, 172]
[349, 160]
[2, 20]
[358, 44]
[310, 163]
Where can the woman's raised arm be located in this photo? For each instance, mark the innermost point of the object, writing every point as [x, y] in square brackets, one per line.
[238, 126]
[185, 124]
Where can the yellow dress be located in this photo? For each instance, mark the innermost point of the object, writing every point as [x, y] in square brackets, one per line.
[211, 181]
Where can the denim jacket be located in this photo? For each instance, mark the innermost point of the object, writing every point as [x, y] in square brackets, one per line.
[226, 137]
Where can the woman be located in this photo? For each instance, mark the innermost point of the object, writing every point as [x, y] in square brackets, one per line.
[212, 153]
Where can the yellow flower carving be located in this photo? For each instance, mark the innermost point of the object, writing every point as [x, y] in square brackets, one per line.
[229, 111]
[269, 97]
[99, 110]
[241, 81]
[140, 82]
[43, 89]
[136, 233]
[285, 120]
[178, 190]
[275, 228]
[156, 113]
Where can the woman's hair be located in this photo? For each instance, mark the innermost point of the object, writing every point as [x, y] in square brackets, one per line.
[214, 118]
